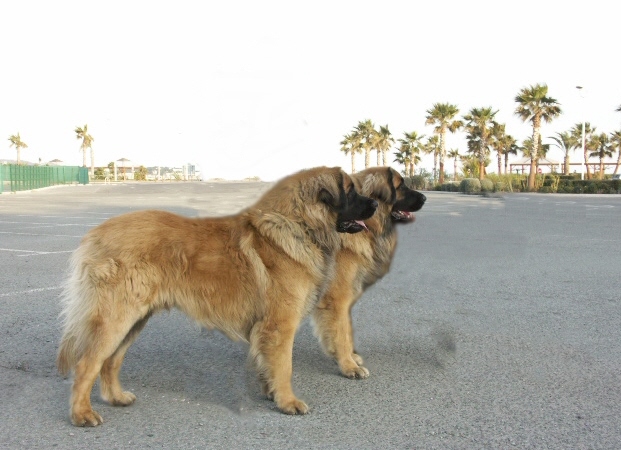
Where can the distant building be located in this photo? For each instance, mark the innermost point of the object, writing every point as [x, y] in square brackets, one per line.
[189, 171]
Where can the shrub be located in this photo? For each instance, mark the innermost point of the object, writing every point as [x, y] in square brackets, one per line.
[487, 185]
[470, 186]
[415, 182]
[499, 186]
[451, 186]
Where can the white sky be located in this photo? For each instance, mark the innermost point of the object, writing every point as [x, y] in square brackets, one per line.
[264, 88]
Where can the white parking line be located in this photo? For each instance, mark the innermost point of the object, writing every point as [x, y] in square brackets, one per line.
[48, 224]
[42, 234]
[30, 291]
[32, 252]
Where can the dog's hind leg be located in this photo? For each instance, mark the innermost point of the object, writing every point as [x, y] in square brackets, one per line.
[110, 386]
[106, 336]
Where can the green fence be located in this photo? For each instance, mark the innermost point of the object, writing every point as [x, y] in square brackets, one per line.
[23, 178]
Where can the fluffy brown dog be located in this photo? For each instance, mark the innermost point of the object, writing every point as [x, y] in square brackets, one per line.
[253, 275]
[363, 259]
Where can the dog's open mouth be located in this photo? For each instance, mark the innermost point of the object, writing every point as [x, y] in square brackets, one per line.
[403, 216]
[351, 226]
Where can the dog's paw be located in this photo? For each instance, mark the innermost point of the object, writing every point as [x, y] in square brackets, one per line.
[357, 372]
[125, 399]
[293, 406]
[353, 368]
[86, 418]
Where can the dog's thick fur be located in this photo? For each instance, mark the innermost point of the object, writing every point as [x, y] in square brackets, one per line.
[253, 275]
[364, 259]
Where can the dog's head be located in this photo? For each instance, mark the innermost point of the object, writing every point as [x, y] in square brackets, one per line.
[387, 186]
[351, 207]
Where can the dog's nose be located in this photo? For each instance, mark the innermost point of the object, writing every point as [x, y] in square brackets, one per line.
[423, 199]
[374, 204]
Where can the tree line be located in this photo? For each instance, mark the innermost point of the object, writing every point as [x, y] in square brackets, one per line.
[483, 135]
[82, 134]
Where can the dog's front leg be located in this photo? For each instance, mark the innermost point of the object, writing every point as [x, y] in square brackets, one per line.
[271, 346]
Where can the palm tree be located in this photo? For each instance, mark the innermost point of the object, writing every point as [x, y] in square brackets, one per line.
[535, 106]
[454, 153]
[479, 125]
[432, 147]
[503, 143]
[615, 143]
[87, 142]
[441, 115]
[527, 150]
[511, 148]
[402, 156]
[576, 137]
[566, 143]
[383, 142]
[603, 149]
[16, 141]
[366, 131]
[409, 148]
[351, 145]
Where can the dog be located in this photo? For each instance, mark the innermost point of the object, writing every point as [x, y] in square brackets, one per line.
[363, 259]
[253, 275]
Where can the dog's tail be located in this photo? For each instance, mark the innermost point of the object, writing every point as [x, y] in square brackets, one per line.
[80, 305]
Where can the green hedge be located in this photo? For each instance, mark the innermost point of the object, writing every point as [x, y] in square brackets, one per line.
[470, 186]
[487, 185]
[415, 182]
[450, 186]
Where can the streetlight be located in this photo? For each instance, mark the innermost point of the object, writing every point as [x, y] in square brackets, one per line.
[583, 136]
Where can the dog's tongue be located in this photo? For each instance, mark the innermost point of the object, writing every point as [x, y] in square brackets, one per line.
[362, 224]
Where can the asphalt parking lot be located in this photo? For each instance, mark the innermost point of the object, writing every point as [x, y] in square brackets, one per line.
[499, 326]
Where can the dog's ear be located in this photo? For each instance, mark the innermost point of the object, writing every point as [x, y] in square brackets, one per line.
[394, 177]
[326, 197]
[384, 188]
[335, 198]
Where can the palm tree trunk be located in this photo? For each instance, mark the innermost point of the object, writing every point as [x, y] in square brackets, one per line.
[618, 163]
[506, 162]
[586, 162]
[379, 154]
[384, 157]
[601, 168]
[353, 162]
[455, 170]
[442, 154]
[534, 156]
[499, 163]
[367, 158]
[566, 164]
[92, 164]
[84, 157]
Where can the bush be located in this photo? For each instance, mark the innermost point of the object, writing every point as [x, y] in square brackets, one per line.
[487, 185]
[499, 186]
[589, 186]
[470, 186]
[415, 182]
[451, 186]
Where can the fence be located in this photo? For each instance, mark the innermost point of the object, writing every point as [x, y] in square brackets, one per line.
[23, 178]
